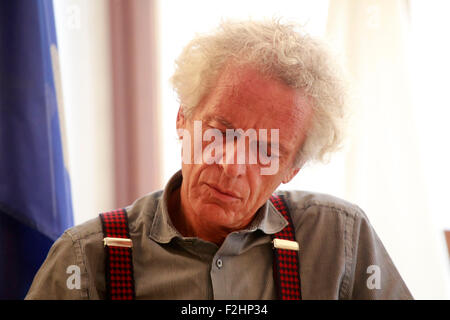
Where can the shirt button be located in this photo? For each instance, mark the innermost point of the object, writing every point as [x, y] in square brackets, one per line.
[219, 263]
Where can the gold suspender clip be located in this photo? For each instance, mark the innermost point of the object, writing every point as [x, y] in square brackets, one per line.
[117, 242]
[285, 244]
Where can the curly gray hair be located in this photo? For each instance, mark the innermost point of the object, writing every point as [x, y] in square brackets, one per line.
[279, 50]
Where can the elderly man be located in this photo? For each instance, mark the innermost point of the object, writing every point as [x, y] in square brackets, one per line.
[257, 101]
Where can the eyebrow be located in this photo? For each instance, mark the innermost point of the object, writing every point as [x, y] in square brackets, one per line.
[221, 120]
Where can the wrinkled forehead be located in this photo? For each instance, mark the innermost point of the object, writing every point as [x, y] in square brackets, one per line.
[257, 100]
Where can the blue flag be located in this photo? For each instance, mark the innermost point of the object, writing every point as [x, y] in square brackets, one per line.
[35, 200]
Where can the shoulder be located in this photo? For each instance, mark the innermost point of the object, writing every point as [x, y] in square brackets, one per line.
[139, 213]
[82, 246]
[306, 205]
[336, 232]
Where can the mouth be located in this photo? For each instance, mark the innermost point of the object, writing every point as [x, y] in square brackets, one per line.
[225, 195]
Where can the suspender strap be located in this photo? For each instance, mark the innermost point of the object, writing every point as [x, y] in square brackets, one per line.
[118, 256]
[286, 262]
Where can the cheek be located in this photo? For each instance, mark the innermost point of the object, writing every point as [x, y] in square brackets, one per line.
[260, 186]
[194, 176]
[190, 173]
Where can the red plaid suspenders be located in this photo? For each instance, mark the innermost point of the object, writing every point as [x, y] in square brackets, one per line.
[119, 263]
[286, 263]
[118, 256]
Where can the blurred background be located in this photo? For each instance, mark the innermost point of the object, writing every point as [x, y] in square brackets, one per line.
[117, 112]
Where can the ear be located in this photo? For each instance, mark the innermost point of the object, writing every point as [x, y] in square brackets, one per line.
[290, 175]
[181, 121]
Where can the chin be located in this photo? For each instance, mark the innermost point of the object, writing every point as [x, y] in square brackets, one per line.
[215, 212]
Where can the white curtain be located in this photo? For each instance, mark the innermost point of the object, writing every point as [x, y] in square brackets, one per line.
[383, 163]
[82, 28]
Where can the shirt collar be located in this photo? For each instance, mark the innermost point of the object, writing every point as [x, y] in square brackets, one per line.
[267, 219]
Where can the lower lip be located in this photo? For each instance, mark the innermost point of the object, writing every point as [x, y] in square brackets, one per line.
[222, 196]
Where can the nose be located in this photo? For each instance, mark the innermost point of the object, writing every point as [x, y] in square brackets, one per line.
[234, 170]
[232, 166]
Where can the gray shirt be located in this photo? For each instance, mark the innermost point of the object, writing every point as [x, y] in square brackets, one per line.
[341, 257]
